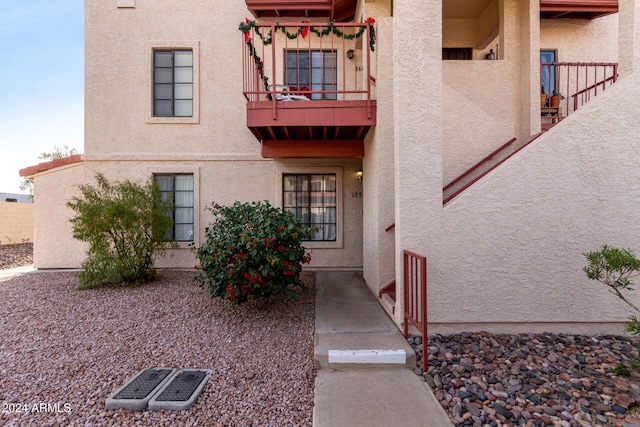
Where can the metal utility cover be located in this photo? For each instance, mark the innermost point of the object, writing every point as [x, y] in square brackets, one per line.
[136, 393]
[181, 391]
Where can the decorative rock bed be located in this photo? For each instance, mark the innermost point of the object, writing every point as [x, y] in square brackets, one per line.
[484, 379]
[64, 351]
[12, 256]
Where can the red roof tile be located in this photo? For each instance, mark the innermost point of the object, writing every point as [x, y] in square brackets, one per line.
[55, 163]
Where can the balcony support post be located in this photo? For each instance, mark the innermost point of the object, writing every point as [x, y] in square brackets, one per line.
[273, 72]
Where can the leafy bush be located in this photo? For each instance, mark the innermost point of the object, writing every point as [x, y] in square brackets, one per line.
[615, 267]
[125, 225]
[252, 250]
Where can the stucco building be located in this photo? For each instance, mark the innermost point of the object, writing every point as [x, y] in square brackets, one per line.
[357, 126]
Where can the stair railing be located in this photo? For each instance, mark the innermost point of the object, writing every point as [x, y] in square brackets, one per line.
[415, 293]
[575, 84]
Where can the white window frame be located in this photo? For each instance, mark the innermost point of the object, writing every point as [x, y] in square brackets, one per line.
[194, 46]
[317, 170]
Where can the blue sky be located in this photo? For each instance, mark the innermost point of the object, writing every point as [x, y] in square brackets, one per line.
[41, 82]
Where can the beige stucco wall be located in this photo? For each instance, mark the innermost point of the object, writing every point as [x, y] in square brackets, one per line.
[417, 58]
[478, 33]
[480, 111]
[506, 255]
[378, 185]
[54, 246]
[516, 254]
[581, 40]
[227, 181]
[487, 103]
[215, 145]
[16, 223]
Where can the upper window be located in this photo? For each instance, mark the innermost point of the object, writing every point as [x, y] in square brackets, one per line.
[316, 70]
[173, 83]
[179, 189]
[312, 198]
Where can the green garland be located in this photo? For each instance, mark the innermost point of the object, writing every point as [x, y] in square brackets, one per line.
[248, 25]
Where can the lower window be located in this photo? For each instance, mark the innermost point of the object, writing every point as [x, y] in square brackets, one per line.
[179, 189]
[312, 198]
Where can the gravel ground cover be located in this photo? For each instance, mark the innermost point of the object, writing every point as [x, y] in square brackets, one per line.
[64, 351]
[534, 379]
[12, 256]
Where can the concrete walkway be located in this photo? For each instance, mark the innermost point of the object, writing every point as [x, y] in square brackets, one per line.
[365, 366]
[10, 272]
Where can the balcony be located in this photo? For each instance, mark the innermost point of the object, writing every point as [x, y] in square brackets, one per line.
[577, 9]
[569, 85]
[331, 10]
[308, 87]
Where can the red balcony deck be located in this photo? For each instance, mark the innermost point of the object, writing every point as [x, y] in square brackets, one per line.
[577, 9]
[343, 10]
[328, 118]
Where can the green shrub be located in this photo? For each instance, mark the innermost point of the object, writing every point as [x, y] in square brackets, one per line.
[252, 250]
[615, 267]
[125, 225]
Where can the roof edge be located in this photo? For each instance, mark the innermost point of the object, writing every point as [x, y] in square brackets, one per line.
[53, 164]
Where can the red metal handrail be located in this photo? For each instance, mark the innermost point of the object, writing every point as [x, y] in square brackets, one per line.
[415, 294]
[264, 64]
[480, 163]
[575, 81]
[487, 171]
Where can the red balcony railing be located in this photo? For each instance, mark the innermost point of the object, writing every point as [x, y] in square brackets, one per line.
[307, 61]
[569, 85]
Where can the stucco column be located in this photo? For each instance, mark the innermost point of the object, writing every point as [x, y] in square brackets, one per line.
[378, 183]
[531, 67]
[417, 97]
[628, 37]
[520, 40]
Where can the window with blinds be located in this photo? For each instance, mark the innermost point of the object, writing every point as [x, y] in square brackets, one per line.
[312, 198]
[316, 70]
[179, 189]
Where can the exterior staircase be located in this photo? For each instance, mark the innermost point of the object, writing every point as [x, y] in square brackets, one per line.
[483, 167]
